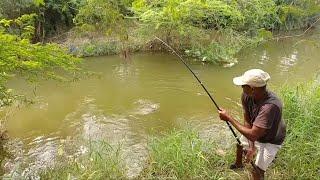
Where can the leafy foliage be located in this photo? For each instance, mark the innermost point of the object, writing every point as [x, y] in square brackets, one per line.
[57, 15]
[294, 14]
[216, 30]
[53, 16]
[196, 26]
[22, 26]
[12, 9]
[108, 18]
[104, 16]
[258, 14]
[32, 62]
[208, 30]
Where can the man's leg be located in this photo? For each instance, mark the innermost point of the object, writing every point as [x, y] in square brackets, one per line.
[239, 155]
[257, 173]
[266, 154]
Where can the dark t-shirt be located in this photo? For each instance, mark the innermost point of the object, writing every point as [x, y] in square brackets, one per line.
[266, 114]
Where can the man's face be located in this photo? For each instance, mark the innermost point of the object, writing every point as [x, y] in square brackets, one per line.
[247, 90]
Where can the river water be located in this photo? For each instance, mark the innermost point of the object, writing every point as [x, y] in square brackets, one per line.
[135, 99]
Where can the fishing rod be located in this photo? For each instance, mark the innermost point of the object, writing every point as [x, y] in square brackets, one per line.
[202, 85]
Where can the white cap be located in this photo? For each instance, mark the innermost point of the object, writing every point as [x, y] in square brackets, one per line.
[253, 78]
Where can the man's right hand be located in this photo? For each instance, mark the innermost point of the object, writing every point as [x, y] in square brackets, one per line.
[223, 114]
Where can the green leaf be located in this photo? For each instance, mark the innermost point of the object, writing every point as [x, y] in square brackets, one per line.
[5, 22]
[39, 2]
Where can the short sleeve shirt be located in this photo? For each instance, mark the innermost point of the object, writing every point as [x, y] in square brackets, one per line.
[267, 115]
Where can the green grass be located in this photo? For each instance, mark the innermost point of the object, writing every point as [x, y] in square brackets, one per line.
[101, 162]
[181, 155]
[97, 49]
[300, 156]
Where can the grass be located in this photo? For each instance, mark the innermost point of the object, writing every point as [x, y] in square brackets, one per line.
[183, 155]
[300, 155]
[101, 162]
[96, 49]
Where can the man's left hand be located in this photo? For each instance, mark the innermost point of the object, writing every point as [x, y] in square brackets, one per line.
[250, 154]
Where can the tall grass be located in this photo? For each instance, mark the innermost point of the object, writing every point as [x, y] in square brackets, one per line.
[101, 162]
[300, 156]
[183, 155]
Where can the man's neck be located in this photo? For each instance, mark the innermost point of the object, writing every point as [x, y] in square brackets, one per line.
[260, 96]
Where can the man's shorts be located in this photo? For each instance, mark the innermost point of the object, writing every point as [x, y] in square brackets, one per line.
[266, 152]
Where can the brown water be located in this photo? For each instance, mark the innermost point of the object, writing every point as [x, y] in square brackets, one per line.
[148, 95]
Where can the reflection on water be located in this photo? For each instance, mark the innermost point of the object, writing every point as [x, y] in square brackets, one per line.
[152, 94]
[264, 57]
[125, 70]
[41, 103]
[28, 162]
[145, 107]
[289, 61]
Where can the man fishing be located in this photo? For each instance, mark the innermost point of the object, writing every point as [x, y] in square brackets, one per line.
[263, 129]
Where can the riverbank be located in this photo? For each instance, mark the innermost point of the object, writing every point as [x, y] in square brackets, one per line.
[215, 32]
[183, 154]
[97, 45]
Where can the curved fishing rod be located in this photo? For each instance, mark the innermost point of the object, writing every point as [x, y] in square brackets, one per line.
[205, 89]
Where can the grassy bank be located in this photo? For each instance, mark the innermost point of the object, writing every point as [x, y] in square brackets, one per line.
[211, 31]
[100, 161]
[300, 156]
[82, 47]
[184, 155]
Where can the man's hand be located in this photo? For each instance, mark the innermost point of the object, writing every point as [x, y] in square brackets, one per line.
[223, 114]
[250, 153]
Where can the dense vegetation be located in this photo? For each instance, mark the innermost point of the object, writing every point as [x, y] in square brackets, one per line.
[206, 30]
[212, 30]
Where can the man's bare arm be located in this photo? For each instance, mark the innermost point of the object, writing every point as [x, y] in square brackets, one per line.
[252, 133]
[248, 125]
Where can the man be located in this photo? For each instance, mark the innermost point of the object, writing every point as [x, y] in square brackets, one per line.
[263, 128]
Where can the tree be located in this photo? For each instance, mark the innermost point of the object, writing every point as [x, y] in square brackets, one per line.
[31, 61]
[109, 17]
[198, 27]
[53, 16]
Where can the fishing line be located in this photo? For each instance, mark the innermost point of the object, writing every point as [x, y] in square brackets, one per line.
[202, 85]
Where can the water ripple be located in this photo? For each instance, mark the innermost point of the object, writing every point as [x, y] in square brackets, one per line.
[145, 107]
[287, 62]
